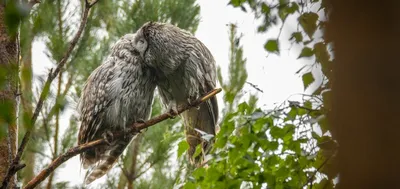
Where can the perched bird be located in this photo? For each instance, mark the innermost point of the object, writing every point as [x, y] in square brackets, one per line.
[185, 70]
[117, 94]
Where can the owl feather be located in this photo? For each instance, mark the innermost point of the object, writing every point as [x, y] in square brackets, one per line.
[116, 94]
[185, 70]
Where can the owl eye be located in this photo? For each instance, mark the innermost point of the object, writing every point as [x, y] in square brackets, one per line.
[141, 41]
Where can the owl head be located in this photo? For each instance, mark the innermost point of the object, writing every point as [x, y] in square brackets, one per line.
[125, 43]
[162, 46]
[124, 48]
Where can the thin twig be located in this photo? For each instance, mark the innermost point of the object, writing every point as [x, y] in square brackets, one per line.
[144, 163]
[255, 87]
[124, 171]
[135, 128]
[310, 179]
[51, 76]
[144, 171]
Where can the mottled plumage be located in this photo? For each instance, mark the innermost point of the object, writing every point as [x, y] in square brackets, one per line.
[117, 93]
[185, 70]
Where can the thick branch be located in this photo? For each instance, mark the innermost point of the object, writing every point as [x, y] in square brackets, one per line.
[52, 75]
[135, 128]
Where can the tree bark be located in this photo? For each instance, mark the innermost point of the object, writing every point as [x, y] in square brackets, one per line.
[366, 91]
[8, 91]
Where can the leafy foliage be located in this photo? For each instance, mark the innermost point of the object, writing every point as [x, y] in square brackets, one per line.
[289, 146]
[237, 71]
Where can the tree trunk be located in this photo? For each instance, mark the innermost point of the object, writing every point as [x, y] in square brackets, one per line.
[27, 97]
[8, 91]
[127, 179]
[135, 153]
[365, 92]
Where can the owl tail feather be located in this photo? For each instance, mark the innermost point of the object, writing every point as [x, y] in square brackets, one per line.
[202, 119]
[107, 160]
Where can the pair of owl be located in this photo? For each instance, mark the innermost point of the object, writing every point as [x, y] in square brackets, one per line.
[120, 91]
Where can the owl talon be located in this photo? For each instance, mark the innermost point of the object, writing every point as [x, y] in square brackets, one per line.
[172, 113]
[191, 100]
[108, 136]
[140, 121]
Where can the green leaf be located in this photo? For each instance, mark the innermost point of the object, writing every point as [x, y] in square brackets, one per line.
[308, 78]
[199, 172]
[286, 9]
[282, 172]
[321, 53]
[262, 28]
[306, 52]
[182, 147]
[273, 145]
[198, 150]
[277, 132]
[237, 3]
[272, 46]
[315, 135]
[293, 8]
[308, 104]
[323, 124]
[259, 124]
[295, 146]
[297, 36]
[308, 21]
[189, 185]
[265, 8]
[291, 115]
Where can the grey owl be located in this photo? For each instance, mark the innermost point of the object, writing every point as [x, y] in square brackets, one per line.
[117, 93]
[185, 70]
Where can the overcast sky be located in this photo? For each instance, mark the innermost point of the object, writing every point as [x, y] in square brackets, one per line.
[275, 75]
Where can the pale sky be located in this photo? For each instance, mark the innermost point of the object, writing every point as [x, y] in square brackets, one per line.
[275, 75]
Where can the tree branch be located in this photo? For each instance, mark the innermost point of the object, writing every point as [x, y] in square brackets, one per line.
[135, 128]
[51, 76]
[311, 179]
[32, 3]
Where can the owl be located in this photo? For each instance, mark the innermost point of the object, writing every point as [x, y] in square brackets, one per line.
[117, 94]
[185, 70]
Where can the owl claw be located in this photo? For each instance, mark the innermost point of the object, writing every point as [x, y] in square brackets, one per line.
[173, 112]
[108, 137]
[140, 121]
[191, 100]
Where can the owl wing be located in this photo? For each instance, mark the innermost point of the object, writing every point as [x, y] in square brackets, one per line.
[95, 100]
[207, 78]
